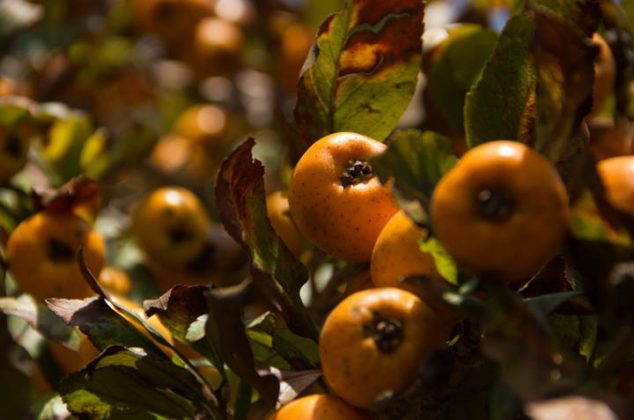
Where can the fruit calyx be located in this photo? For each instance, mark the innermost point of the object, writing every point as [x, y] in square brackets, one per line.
[356, 172]
[386, 333]
[494, 204]
[59, 252]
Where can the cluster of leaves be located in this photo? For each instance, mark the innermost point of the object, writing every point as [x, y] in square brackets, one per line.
[567, 331]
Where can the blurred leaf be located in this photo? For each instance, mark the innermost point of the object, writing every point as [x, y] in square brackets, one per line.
[40, 318]
[121, 383]
[93, 160]
[584, 13]
[179, 309]
[14, 388]
[101, 323]
[587, 223]
[546, 304]
[495, 106]
[226, 332]
[276, 272]
[53, 408]
[456, 64]
[18, 14]
[79, 194]
[416, 161]
[445, 265]
[564, 66]
[15, 108]
[362, 70]
[65, 142]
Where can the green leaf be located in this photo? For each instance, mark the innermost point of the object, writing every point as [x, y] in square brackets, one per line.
[561, 49]
[101, 323]
[455, 65]
[496, 104]
[125, 384]
[545, 304]
[445, 265]
[41, 319]
[416, 161]
[362, 70]
[180, 309]
[276, 272]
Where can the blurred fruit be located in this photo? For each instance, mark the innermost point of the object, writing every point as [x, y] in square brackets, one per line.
[617, 175]
[14, 147]
[42, 252]
[280, 217]
[501, 212]
[608, 140]
[217, 48]
[171, 225]
[295, 43]
[318, 407]
[115, 280]
[173, 21]
[336, 200]
[373, 341]
[205, 124]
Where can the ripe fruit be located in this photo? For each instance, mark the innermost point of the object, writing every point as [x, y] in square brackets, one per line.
[617, 175]
[115, 280]
[335, 199]
[604, 74]
[608, 140]
[318, 407]
[373, 341]
[14, 146]
[397, 254]
[42, 250]
[217, 47]
[280, 217]
[171, 20]
[171, 225]
[501, 212]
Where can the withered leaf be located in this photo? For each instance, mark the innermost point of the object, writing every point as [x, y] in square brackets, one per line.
[362, 70]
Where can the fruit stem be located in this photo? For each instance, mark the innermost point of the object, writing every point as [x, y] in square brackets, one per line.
[356, 172]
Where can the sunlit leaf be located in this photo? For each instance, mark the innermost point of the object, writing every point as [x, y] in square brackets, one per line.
[362, 70]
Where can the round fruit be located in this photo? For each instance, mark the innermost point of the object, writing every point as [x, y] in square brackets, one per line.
[173, 21]
[608, 140]
[318, 407]
[617, 175]
[604, 74]
[397, 254]
[501, 212]
[335, 199]
[42, 251]
[14, 146]
[115, 280]
[373, 342]
[217, 47]
[279, 214]
[171, 225]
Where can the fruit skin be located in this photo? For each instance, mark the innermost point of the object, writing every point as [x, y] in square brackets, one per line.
[318, 407]
[171, 225]
[115, 280]
[14, 147]
[342, 221]
[358, 364]
[279, 215]
[509, 240]
[608, 140]
[397, 254]
[617, 175]
[42, 250]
